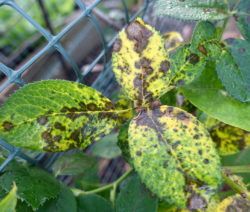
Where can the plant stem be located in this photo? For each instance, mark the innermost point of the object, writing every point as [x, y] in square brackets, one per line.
[234, 186]
[113, 185]
[238, 169]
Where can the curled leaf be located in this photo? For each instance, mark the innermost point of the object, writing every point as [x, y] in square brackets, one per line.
[172, 152]
[55, 115]
[140, 62]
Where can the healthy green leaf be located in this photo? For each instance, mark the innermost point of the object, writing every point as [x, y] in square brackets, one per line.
[8, 203]
[192, 9]
[107, 147]
[141, 63]
[65, 202]
[135, 197]
[35, 186]
[73, 164]
[93, 203]
[243, 18]
[170, 149]
[213, 99]
[235, 76]
[55, 115]
[123, 142]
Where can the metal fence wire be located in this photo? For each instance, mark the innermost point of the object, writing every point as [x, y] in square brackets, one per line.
[53, 42]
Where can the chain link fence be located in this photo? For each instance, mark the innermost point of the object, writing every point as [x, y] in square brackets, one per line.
[13, 77]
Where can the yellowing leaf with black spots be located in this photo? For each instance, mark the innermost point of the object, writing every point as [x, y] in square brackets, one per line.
[228, 139]
[171, 150]
[55, 115]
[140, 62]
[234, 203]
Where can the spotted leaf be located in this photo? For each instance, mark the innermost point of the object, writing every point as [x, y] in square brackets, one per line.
[140, 62]
[229, 140]
[55, 115]
[233, 203]
[172, 151]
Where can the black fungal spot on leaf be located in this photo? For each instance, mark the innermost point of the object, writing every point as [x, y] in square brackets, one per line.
[42, 120]
[59, 126]
[165, 65]
[47, 137]
[138, 153]
[206, 161]
[140, 34]
[193, 58]
[7, 126]
[182, 116]
[117, 45]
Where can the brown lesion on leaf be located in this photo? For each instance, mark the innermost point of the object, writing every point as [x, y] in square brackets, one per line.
[47, 137]
[117, 45]
[193, 58]
[139, 34]
[165, 66]
[42, 120]
[7, 126]
[202, 49]
[59, 126]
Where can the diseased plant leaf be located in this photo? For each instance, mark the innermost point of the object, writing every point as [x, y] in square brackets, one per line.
[233, 203]
[170, 150]
[189, 61]
[135, 197]
[214, 100]
[243, 18]
[107, 147]
[141, 63]
[55, 115]
[69, 164]
[93, 202]
[229, 140]
[123, 142]
[8, 203]
[192, 9]
[35, 186]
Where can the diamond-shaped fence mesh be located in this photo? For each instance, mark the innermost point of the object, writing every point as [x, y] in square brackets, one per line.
[61, 49]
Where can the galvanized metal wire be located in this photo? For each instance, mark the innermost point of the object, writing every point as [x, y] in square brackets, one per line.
[54, 43]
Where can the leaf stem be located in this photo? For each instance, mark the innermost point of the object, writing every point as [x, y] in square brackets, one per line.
[235, 186]
[238, 169]
[113, 185]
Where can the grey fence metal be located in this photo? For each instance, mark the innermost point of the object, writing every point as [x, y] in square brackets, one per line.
[54, 43]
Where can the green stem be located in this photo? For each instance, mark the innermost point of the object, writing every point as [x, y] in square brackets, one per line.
[238, 169]
[234, 186]
[78, 192]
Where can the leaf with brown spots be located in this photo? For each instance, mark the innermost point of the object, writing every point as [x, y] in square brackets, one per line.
[140, 62]
[172, 152]
[56, 115]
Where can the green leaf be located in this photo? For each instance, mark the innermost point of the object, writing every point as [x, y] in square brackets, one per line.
[235, 76]
[55, 115]
[140, 62]
[213, 99]
[135, 197]
[8, 203]
[107, 147]
[192, 9]
[69, 164]
[123, 142]
[171, 149]
[190, 60]
[35, 186]
[65, 202]
[93, 203]
[243, 18]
